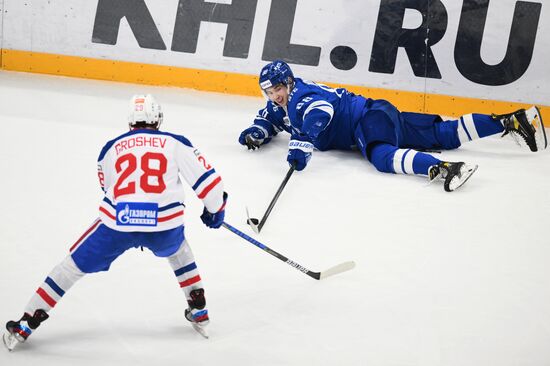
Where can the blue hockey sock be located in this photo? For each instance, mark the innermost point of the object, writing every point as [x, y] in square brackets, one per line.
[391, 159]
[475, 126]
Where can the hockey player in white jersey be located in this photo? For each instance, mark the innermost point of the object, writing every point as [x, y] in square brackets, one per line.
[143, 205]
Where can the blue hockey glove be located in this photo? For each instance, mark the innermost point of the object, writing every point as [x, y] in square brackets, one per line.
[214, 220]
[252, 137]
[299, 152]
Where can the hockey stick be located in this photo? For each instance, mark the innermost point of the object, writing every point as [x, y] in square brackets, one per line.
[342, 267]
[253, 222]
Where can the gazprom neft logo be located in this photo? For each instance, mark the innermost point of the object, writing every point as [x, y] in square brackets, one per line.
[136, 214]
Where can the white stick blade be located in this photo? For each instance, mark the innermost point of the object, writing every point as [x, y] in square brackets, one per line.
[342, 267]
[252, 225]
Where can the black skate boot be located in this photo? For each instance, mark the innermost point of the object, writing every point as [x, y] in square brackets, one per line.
[19, 331]
[197, 313]
[454, 174]
[527, 125]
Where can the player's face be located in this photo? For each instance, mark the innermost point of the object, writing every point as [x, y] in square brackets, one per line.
[278, 94]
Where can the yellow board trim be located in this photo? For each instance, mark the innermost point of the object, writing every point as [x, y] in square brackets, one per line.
[233, 83]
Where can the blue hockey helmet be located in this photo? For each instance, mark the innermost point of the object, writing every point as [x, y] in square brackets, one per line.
[274, 73]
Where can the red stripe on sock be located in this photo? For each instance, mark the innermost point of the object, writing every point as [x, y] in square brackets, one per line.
[46, 297]
[201, 318]
[23, 333]
[209, 187]
[190, 281]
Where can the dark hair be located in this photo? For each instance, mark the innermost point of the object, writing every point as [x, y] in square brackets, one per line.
[143, 124]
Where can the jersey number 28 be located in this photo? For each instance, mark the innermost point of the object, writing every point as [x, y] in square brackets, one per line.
[130, 161]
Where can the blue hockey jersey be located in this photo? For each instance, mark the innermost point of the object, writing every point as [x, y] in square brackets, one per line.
[327, 116]
[338, 119]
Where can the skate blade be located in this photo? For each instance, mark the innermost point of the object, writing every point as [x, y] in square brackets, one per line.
[10, 341]
[200, 329]
[535, 118]
[457, 183]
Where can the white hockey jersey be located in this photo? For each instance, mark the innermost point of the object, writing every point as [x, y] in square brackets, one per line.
[140, 171]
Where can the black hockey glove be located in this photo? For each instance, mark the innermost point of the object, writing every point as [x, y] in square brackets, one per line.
[252, 137]
[251, 143]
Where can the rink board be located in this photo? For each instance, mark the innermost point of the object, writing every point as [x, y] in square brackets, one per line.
[234, 83]
[437, 57]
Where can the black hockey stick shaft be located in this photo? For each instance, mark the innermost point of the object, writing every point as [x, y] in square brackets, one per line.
[315, 275]
[276, 197]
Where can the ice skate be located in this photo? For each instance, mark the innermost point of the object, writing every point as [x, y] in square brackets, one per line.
[10, 340]
[453, 174]
[526, 125]
[19, 331]
[197, 313]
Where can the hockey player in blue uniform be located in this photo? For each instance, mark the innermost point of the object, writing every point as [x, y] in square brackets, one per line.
[320, 117]
[141, 175]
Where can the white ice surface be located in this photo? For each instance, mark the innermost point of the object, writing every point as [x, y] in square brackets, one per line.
[442, 278]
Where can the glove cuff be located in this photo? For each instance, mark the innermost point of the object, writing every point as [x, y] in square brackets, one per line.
[305, 146]
[262, 130]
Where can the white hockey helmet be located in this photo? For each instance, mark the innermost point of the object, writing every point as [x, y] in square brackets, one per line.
[144, 112]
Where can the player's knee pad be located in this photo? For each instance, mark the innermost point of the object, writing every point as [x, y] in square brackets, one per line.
[66, 273]
[181, 251]
[182, 257]
[70, 267]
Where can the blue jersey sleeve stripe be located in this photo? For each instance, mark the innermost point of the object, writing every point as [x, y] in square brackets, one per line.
[322, 106]
[203, 178]
[58, 290]
[108, 201]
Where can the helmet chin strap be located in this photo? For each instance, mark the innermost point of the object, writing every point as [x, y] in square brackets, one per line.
[289, 87]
